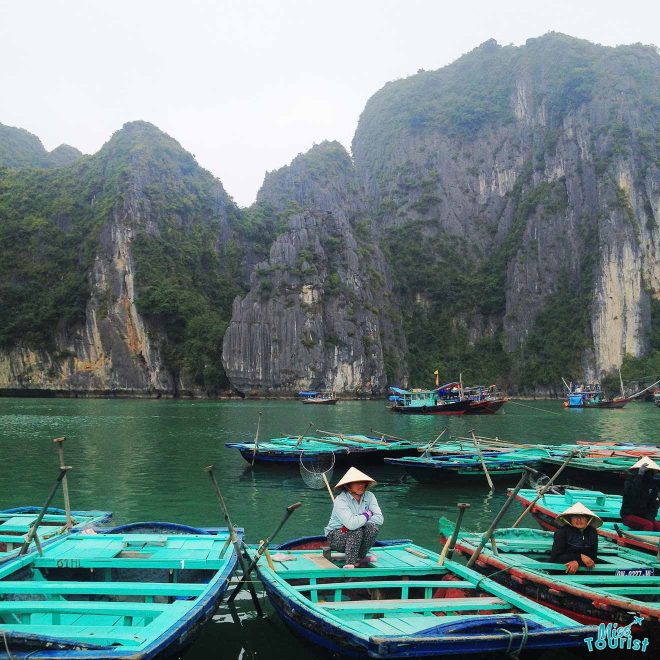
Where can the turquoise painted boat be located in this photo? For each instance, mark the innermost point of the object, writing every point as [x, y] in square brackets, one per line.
[622, 584]
[16, 523]
[606, 506]
[501, 465]
[118, 594]
[405, 605]
[590, 469]
[347, 448]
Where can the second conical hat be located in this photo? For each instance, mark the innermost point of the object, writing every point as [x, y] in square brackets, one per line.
[645, 460]
[352, 476]
[578, 509]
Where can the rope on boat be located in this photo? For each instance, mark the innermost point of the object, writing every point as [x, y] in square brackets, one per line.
[523, 641]
[524, 405]
[4, 639]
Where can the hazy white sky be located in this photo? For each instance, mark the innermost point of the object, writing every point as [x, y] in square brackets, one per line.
[246, 85]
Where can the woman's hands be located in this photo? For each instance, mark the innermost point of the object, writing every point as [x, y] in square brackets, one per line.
[587, 561]
[572, 567]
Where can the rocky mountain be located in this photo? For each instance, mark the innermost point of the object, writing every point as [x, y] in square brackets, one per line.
[531, 176]
[498, 218]
[19, 148]
[116, 273]
[319, 313]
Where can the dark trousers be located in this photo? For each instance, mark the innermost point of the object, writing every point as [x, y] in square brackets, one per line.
[355, 543]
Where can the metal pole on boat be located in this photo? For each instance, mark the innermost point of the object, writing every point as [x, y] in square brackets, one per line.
[448, 548]
[234, 538]
[545, 488]
[528, 471]
[59, 442]
[623, 394]
[305, 432]
[42, 513]
[256, 439]
[263, 546]
[483, 462]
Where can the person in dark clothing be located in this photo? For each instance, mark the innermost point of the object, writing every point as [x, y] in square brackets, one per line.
[639, 506]
[576, 542]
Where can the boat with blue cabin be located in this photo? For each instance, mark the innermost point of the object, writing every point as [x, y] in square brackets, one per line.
[448, 399]
[319, 398]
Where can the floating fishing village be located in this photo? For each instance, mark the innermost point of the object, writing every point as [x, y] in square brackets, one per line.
[329, 330]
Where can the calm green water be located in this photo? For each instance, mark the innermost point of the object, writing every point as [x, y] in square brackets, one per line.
[145, 460]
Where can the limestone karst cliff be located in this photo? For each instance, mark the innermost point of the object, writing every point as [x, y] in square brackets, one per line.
[319, 313]
[498, 218]
[110, 272]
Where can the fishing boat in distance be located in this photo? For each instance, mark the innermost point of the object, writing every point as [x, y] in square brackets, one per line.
[621, 585]
[16, 523]
[607, 507]
[124, 593]
[405, 605]
[447, 399]
[319, 398]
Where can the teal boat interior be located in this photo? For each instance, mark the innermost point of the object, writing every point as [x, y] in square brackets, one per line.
[128, 593]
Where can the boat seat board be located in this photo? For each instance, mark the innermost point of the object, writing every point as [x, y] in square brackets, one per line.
[102, 588]
[383, 584]
[133, 636]
[84, 607]
[419, 605]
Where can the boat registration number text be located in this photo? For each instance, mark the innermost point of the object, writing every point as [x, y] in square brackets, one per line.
[636, 572]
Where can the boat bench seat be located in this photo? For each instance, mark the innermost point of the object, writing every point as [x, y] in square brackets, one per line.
[419, 605]
[82, 607]
[147, 589]
[102, 635]
[381, 584]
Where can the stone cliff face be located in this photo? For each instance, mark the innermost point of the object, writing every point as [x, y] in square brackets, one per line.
[116, 349]
[320, 313]
[499, 219]
[553, 169]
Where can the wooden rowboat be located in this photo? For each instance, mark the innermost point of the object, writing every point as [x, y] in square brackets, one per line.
[346, 449]
[622, 584]
[405, 605]
[117, 594]
[500, 465]
[16, 523]
[606, 506]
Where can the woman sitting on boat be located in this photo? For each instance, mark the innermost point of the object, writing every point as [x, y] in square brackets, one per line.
[639, 506]
[576, 541]
[353, 525]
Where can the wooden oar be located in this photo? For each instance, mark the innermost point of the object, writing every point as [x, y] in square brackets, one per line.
[234, 538]
[59, 443]
[451, 541]
[384, 435]
[648, 540]
[428, 449]
[486, 537]
[35, 525]
[353, 438]
[260, 550]
[304, 433]
[545, 488]
[483, 463]
[256, 439]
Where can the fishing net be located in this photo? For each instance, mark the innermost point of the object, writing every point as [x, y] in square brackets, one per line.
[313, 466]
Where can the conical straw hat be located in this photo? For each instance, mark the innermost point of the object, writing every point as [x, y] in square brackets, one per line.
[352, 476]
[645, 460]
[578, 509]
